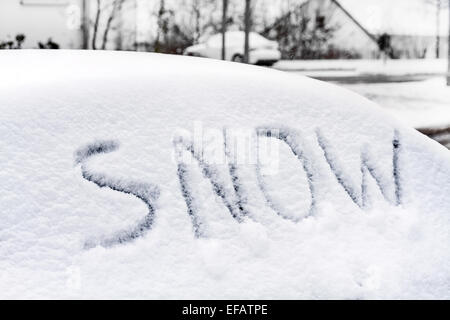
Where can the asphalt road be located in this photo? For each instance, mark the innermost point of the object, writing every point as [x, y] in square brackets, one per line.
[441, 135]
[374, 78]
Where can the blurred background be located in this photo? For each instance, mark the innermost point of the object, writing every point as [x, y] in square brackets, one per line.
[395, 53]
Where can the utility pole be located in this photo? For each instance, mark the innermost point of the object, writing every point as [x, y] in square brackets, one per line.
[247, 25]
[438, 27]
[448, 71]
[224, 25]
[85, 24]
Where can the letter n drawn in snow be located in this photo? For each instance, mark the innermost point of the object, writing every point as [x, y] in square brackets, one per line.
[388, 183]
[188, 152]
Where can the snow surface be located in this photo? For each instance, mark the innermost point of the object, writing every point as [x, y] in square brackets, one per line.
[420, 104]
[360, 67]
[106, 192]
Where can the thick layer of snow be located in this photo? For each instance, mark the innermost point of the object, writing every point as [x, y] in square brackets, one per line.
[117, 180]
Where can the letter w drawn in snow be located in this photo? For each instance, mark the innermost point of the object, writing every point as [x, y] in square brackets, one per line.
[147, 193]
[389, 185]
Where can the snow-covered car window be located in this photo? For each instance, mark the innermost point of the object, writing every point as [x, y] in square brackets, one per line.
[148, 172]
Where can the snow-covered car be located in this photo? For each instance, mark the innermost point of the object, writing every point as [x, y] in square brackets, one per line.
[262, 51]
[136, 175]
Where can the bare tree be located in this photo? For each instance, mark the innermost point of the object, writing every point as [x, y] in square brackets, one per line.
[196, 10]
[303, 32]
[116, 7]
[163, 17]
[96, 25]
[439, 4]
[111, 8]
[247, 26]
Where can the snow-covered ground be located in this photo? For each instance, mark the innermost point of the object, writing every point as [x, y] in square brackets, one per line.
[420, 104]
[364, 67]
[414, 91]
[134, 175]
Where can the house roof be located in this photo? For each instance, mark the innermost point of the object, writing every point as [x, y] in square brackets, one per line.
[400, 17]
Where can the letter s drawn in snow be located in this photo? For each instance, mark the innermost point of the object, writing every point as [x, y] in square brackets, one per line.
[146, 192]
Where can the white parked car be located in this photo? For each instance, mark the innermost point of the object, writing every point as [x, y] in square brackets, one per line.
[262, 51]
